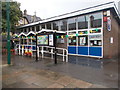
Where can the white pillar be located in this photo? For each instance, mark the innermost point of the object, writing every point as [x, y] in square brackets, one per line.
[66, 55]
[42, 51]
[63, 55]
[38, 51]
[51, 53]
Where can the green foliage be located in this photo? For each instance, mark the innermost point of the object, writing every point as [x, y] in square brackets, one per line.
[15, 15]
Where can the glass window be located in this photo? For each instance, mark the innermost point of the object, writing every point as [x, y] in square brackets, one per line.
[33, 28]
[63, 25]
[95, 31]
[25, 41]
[96, 20]
[83, 40]
[43, 26]
[56, 25]
[72, 24]
[60, 40]
[22, 30]
[82, 22]
[37, 28]
[48, 25]
[95, 40]
[72, 38]
[83, 32]
[25, 30]
[29, 29]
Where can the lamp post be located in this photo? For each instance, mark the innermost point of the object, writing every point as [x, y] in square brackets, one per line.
[8, 31]
[55, 47]
[36, 49]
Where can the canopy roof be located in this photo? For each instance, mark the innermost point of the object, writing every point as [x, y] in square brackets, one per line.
[42, 31]
[51, 31]
[31, 32]
[21, 34]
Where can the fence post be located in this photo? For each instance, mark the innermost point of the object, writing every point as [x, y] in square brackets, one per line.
[38, 52]
[22, 49]
[19, 49]
[66, 56]
[63, 55]
[52, 53]
[42, 52]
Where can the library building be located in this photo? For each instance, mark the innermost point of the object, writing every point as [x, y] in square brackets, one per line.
[90, 32]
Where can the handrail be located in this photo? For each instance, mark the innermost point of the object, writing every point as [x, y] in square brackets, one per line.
[52, 53]
[20, 51]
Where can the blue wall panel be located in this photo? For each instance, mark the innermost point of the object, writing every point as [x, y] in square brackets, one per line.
[34, 47]
[95, 51]
[83, 50]
[72, 49]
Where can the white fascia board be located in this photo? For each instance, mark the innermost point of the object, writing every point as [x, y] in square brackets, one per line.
[31, 24]
[97, 8]
[83, 11]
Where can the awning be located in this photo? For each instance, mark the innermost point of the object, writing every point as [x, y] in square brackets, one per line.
[22, 34]
[31, 32]
[42, 31]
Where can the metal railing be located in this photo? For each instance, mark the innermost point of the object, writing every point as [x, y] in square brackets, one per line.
[43, 50]
[50, 50]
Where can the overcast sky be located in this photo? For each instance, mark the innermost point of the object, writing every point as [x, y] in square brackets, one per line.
[50, 8]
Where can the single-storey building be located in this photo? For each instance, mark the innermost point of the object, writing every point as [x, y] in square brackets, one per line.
[91, 32]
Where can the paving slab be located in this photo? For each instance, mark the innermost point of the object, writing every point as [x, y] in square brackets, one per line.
[98, 86]
[65, 80]
[43, 83]
[25, 73]
[30, 80]
[55, 85]
[81, 84]
[70, 86]
[18, 85]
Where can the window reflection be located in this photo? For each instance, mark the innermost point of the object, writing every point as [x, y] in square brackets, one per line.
[29, 29]
[82, 22]
[56, 25]
[96, 20]
[72, 24]
[25, 30]
[37, 28]
[63, 25]
[33, 28]
[43, 26]
[48, 25]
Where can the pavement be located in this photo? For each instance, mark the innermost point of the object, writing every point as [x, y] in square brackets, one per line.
[24, 72]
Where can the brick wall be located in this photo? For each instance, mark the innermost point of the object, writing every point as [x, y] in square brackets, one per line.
[110, 50]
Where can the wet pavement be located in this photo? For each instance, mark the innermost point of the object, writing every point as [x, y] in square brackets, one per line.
[79, 72]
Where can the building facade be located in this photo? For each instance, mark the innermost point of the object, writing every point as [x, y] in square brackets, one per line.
[27, 19]
[91, 32]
